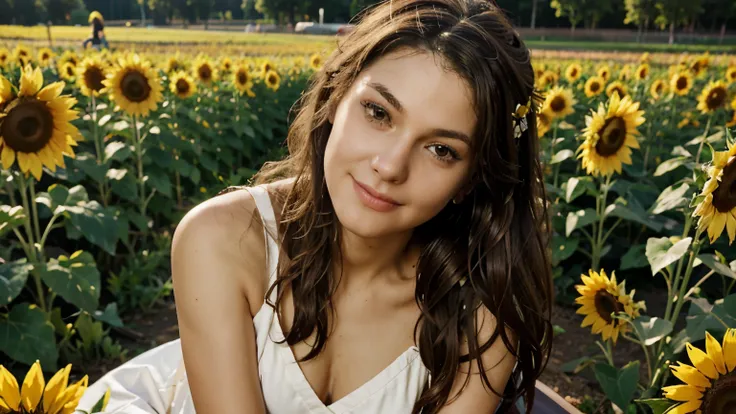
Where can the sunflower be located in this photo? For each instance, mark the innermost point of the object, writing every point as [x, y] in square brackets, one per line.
[718, 209]
[610, 133]
[242, 80]
[35, 395]
[90, 75]
[294, 72]
[644, 58]
[681, 82]
[266, 67]
[732, 122]
[617, 87]
[730, 74]
[182, 85]
[45, 56]
[604, 72]
[4, 57]
[35, 127]
[174, 64]
[688, 119]
[204, 71]
[272, 80]
[544, 123]
[67, 71]
[315, 62]
[22, 55]
[657, 89]
[559, 102]
[594, 86]
[710, 382]
[642, 72]
[68, 56]
[573, 72]
[226, 64]
[600, 297]
[713, 96]
[548, 79]
[134, 86]
[6, 91]
[625, 73]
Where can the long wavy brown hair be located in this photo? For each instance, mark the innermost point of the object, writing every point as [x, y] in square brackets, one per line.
[497, 236]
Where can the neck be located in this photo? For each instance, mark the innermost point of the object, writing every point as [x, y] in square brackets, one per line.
[367, 261]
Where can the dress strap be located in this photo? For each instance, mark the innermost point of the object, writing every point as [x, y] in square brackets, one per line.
[270, 230]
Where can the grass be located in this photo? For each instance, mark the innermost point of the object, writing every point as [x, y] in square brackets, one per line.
[178, 36]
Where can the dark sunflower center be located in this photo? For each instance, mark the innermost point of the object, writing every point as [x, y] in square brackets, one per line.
[731, 74]
[205, 73]
[134, 86]
[242, 78]
[716, 98]
[182, 86]
[605, 304]
[226, 66]
[659, 88]
[28, 126]
[93, 78]
[574, 72]
[721, 397]
[643, 73]
[45, 56]
[73, 61]
[613, 135]
[620, 92]
[595, 86]
[70, 70]
[681, 83]
[724, 197]
[272, 79]
[558, 104]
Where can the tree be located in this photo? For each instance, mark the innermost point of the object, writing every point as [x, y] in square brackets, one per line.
[641, 13]
[720, 12]
[277, 8]
[249, 10]
[594, 10]
[572, 9]
[204, 9]
[58, 11]
[675, 12]
[161, 11]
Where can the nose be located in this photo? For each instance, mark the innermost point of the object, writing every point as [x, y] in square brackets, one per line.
[392, 163]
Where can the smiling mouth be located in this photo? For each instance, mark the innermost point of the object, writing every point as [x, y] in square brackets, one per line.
[372, 199]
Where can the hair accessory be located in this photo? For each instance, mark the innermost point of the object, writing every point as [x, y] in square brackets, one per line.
[519, 115]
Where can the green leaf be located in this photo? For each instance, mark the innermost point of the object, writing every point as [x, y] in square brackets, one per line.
[579, 219]
[657, 405]
[13, 276]
[87, 163]
[634, 258]
[632, 214]
[671, 198]
[104, 119]
[563, 247]
[619, 385]
[195, 176]
[704, 316]
[160, 182]
[109, 315]
[577, 365]
[661, 252]
[124, 185]
[577, 186]
[560, 156]
[669, 165]
[96, 223]
[208, 162]
[26, 336]
[11, 217]
[714, 264]
[117, 151]
[75, 279]
[650, 330]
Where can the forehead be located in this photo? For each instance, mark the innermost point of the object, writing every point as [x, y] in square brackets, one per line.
[431, 95]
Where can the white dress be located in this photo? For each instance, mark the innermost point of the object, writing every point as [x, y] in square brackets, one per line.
[155, 382]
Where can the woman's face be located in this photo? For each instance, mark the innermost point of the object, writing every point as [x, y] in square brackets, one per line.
[402, 132]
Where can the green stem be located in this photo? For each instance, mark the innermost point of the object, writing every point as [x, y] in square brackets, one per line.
[705, 137]
[47, 230]
[688, 272]
[31, 240]
[678, 272]
[34, 207]
[139, 162]
[598, 233]
[100, 153]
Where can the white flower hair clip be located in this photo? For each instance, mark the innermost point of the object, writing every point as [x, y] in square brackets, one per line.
[520, 122]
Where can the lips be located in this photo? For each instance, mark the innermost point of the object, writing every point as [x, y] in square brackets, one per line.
[373, 199]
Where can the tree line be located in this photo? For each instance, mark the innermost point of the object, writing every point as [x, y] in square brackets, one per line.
[699, 15]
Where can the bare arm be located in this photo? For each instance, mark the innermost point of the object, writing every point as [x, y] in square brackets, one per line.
[217, 253]
[498, 363]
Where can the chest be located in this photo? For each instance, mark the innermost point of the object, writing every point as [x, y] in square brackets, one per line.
[369, 334]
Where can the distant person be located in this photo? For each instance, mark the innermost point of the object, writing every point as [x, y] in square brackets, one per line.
[98, 31]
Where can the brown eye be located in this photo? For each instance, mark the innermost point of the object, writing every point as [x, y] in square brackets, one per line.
[375, 113]
[444, 153]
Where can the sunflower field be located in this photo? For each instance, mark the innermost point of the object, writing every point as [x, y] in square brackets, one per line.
[102, 153]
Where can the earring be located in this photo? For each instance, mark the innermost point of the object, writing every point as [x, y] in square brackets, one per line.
[456, 200]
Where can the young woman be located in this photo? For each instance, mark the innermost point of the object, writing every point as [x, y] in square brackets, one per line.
[97, 25]
[395, 262]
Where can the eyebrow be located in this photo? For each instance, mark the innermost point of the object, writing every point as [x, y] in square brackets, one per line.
[387, 95]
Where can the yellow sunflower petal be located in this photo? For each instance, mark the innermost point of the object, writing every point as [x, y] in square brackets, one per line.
[682, 393]
[702, 361]
[32, 389]
[55, 387]
[715, 352]
[729, 349]
[715, 228]
[7, 157]
[686, 408]
[690, 375]
[50, 91]
[9, 390]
